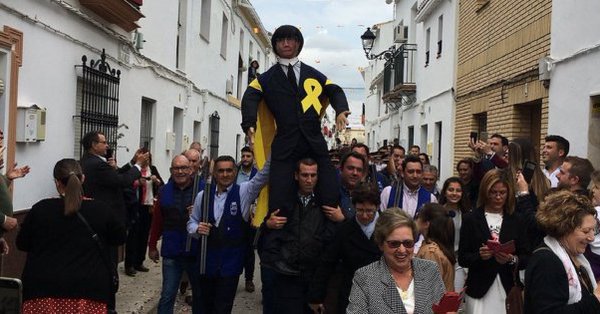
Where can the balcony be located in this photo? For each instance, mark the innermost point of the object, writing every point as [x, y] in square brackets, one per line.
[399, 87]
[119, 12]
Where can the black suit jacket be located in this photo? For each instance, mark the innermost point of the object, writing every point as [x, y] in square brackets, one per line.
[474, 233]
[286, 105]
[350, 246]
[104, 183]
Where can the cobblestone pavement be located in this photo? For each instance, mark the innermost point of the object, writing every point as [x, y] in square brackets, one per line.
[140, 294]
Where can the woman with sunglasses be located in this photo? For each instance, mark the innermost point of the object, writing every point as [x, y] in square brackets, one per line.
[397, 283]
[559, 279]
[492, 224]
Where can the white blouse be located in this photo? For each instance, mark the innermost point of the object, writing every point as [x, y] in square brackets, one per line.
[408, 297]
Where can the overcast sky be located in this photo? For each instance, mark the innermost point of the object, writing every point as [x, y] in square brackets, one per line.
[331, 30]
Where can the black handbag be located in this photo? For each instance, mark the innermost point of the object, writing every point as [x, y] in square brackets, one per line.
[114, 277]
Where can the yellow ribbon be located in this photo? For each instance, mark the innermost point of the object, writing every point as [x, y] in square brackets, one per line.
[313, 90]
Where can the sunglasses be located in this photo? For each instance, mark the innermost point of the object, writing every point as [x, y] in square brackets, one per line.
[394, 244]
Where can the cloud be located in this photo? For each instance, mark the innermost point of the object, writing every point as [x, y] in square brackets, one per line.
[331, 30]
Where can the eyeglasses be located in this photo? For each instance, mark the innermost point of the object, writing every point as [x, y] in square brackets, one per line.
[394, 244]
[183, 168]
[368, 211]
[498, 193]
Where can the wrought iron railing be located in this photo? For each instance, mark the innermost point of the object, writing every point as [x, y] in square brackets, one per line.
[98, 100]
[400, 70]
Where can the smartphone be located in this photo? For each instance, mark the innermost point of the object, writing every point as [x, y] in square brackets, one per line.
[10, 295]
[473, 137]
[109, 153]
[528, 169]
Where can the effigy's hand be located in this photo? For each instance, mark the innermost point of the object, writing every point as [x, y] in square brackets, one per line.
[341, 121]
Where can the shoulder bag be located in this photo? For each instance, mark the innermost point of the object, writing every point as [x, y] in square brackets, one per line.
[114, 277]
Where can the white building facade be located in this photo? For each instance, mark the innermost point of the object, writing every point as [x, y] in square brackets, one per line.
[181, 77]
[572, 70]
[411, 98]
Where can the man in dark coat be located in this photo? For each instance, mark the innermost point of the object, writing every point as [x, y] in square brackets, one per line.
[104, 182]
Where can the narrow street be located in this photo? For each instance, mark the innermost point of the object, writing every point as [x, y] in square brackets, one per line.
[140, 294]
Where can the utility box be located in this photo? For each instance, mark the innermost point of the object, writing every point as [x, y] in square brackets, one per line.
[31, 124]
[170, 141]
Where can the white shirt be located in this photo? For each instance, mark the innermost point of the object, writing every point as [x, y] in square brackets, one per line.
[408, 297]
[552, 176]
[248, 192]
[296, 64]
[410, 199]
[368, 229]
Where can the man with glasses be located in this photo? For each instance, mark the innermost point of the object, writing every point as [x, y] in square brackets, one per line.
[353, 245]
[169, 220]
[104, 182]
[225, 229]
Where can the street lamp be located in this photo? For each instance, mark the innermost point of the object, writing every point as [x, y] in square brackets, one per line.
[367, 42]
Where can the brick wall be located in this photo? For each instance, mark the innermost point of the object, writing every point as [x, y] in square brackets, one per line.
[499, 45]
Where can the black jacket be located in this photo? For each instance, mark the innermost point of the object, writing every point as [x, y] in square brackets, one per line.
[302, 240]
[474, 232]
[350, 246]
[104, 183]
[286, 106]
[63, 261]
[547, 289]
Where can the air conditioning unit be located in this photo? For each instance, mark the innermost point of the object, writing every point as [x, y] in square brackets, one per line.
[400, 34]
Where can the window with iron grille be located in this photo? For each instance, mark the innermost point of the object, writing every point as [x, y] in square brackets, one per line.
[97, 99]
[214, 135]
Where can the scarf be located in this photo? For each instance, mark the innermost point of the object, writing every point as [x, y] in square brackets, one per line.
[572, 278]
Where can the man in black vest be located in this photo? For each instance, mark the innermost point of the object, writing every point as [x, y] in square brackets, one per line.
[294, 94]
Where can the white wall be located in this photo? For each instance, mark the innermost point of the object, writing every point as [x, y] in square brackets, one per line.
[48, 78]
[435, 98]
[574, 75]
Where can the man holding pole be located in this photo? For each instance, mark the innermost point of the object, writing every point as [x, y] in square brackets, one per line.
[224, 226]
[169, 220]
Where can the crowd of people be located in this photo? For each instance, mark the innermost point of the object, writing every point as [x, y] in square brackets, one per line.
[346, 232]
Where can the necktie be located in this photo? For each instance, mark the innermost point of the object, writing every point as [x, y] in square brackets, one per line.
[292, 76]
